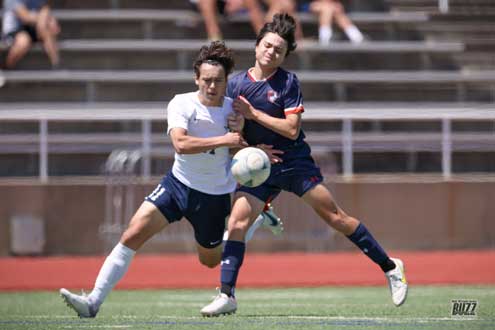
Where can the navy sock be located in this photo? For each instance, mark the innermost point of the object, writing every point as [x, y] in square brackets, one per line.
[367, 243]
[232, 257]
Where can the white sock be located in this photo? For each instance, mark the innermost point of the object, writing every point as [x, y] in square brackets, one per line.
[114, 267]
[354, 34]
[256, 224]
[325, 34]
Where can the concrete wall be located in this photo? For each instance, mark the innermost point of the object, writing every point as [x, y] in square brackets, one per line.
[402, 215]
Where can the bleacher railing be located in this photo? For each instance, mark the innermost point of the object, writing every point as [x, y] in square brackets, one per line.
[348, 141]
[443, 6]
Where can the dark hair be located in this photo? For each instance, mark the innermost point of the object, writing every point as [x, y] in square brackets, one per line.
[284, 25]
[216, 53]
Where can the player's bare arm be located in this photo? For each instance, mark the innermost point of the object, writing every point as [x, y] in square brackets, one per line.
[288, 127]
[186, 144]
[235, 123]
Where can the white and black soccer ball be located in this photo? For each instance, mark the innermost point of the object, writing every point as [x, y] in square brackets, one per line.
[250, 166]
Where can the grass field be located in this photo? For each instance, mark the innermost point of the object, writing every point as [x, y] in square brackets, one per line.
[427, 307]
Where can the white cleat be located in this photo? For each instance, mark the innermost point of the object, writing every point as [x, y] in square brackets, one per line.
[79, 303]
[268, 219]
[221, 305]
[397, 282]
[272, 221]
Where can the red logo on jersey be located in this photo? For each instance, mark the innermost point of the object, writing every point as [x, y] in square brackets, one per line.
[272, 96]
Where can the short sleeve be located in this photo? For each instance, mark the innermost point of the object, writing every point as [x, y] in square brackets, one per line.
[177, 116]
[293, 101]
[231, 89]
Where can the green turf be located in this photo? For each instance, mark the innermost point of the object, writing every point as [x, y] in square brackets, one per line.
[427, 307]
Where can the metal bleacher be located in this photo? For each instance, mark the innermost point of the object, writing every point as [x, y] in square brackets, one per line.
[419, 94]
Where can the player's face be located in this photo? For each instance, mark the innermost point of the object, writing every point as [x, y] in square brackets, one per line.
[271, 50]
[211, 83]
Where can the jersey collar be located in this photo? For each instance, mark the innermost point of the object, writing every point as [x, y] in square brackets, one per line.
[253, 79]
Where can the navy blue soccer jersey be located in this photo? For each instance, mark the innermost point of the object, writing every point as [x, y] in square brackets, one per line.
[277, 96]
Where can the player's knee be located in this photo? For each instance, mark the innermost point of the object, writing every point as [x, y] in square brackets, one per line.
[209, 262]
[134, 234]
[337, 220]
[338, 223]
[130, 235]
[240, 225]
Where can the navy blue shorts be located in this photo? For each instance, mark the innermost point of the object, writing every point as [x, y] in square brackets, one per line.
[205, 212]
[297, 176]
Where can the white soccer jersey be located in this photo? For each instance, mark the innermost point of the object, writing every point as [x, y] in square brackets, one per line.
[208, 172]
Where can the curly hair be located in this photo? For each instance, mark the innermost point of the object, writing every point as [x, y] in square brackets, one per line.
[216, 53]
[285, 26]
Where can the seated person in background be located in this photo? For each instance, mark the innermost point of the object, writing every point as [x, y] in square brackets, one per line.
[329, 11]
[283, 7]
[26, 22]
[209, 9]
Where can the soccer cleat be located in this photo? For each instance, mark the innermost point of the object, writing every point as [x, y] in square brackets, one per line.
[267, 218]
[272, 221]
[79, 303]
[397, 282]
[221, 305]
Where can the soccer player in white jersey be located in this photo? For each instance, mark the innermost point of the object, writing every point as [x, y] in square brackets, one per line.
[199, 185]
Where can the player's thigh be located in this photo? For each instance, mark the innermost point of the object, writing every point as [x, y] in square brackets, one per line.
[210, 257]
[322, 201]
[146, 222]
[245, 210]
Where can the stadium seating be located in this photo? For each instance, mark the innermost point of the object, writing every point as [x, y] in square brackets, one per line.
[130, 54]
[418, 97]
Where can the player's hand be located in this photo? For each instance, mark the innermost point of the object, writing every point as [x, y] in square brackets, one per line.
[235, 122]
[272, 153]
[234, 140]
[242, 106]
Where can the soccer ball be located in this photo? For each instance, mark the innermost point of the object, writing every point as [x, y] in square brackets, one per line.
[250, 166]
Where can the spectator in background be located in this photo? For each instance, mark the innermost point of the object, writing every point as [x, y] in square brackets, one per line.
[329, 11]
[26, 22]
[283, 7]
[209, 9]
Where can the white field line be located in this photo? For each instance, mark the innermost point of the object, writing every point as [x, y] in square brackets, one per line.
[399, 319]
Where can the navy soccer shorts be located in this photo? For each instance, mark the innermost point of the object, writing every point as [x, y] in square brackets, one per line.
[205, 212]
[297, 175]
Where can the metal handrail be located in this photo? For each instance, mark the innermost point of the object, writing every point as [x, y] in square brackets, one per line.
[445, 141]
[443, 6]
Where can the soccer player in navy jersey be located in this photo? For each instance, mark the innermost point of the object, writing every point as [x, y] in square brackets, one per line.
[271, 102]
